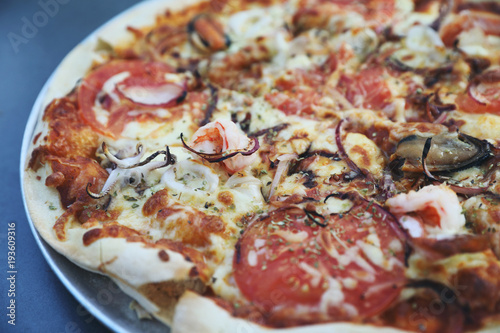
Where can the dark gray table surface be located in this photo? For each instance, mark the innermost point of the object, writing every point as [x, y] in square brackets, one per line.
[28, 55]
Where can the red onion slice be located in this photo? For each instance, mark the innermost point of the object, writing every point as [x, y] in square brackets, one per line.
[467, 190]
[212, 105]
[397, 65]
[477, 65]
[342, 152]
[479, 86]
[393, 222]
[441, 119]
[284, 161]
[474, 92]
[219, 157]
[435, 107]
[159, 95]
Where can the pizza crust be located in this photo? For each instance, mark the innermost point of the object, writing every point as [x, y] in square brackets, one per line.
[195, 313]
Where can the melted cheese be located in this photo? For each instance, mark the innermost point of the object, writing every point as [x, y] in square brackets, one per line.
[351, 255]
[482, 126]
[371, 249]
[190, 176]
[362, 41]
[253, 23]
[412, 225]
[365, 153]
[333, 296]
[444, 269]
[422, 48]
[291, 184]
[252, 258]
[156, 135]
[349, 283]
[315, 274]
[290, 236]
[336, 206]
[264, 115]
[223, 282]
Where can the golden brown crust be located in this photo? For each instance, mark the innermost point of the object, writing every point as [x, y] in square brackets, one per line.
[113, 230]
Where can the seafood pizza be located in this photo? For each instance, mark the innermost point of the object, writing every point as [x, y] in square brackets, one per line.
[271, 165]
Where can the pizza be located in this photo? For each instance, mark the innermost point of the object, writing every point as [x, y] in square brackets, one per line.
[265, 165]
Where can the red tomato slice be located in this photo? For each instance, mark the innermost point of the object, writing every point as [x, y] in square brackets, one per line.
[351, 269]
[489, 101]
[299, 103]
[366, 89]
[299, 90]
[139, 83]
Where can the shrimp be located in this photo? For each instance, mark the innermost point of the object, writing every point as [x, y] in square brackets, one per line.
[223, 136]
[433, 211]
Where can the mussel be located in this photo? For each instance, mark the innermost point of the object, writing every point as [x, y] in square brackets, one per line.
[448, 152]
[207, 34]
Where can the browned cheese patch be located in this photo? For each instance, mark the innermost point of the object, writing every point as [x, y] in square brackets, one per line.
[226, 198]
[190, 226]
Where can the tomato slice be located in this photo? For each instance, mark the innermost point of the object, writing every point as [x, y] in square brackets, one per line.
[490, 104]
[299, 90]
[351, 269]
[366, 89]
[109, 93]
[298, 103]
